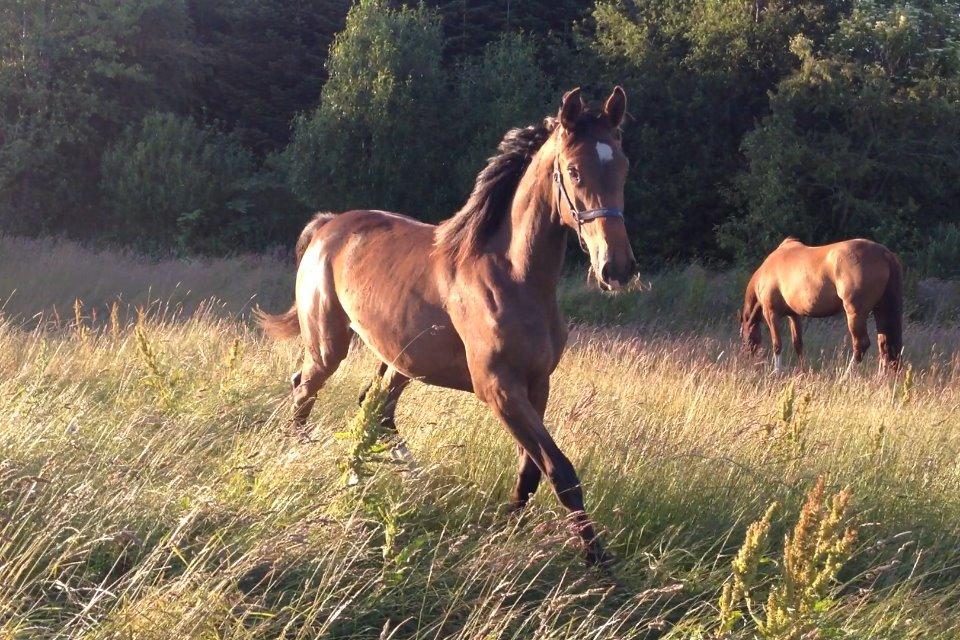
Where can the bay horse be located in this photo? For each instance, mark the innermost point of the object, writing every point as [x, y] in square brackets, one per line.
[471, 304]
[856, 277]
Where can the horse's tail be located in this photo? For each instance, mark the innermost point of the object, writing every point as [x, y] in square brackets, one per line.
[282, 326]
[286, 325]
[889, 312]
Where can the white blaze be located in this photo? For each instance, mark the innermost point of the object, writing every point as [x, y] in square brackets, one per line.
[604, 151]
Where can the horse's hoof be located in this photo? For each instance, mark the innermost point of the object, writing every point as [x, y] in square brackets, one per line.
[597, 556]
[514, 511]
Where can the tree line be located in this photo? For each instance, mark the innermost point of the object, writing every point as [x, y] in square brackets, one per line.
[203, 126]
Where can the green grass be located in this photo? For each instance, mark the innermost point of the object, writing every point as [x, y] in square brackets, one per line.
[151, 487]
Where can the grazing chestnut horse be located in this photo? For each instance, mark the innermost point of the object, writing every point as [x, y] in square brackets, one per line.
[856, 277]
[471, 304]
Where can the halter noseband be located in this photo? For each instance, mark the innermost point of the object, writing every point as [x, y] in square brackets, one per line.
[578, 215]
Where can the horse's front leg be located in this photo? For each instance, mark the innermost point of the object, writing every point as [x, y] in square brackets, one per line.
[511, 403]
[528, 473]
[796, 335]
[772, 320]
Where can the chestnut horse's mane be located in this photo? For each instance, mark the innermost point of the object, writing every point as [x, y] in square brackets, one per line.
[489, 202]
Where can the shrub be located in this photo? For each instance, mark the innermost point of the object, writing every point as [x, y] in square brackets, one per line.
[377, 137]
[171, 184]
[502, 88]
[801, 593]
[859, 140]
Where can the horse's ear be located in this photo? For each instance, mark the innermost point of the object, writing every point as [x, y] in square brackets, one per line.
[616, 106]
[571, 108]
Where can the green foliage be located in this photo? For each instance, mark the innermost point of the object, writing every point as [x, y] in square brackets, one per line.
[264, 64]
[698, 75]
[169, 183]
[362, 436]
[71, 76]
[503, 87]
[940, 254]
[378, 137]
[750, 120]
[470, 26]
[860, 138]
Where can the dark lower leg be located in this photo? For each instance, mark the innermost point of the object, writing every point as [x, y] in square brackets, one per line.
[566, 484]
[517, 412]
[381, 370]
[888, 340]
[528, 479]
[394, 383]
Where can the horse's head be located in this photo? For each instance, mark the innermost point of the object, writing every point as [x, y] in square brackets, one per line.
[589, 172]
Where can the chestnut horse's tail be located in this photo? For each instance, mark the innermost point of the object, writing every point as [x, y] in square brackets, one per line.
[287, 325]
[889, 312]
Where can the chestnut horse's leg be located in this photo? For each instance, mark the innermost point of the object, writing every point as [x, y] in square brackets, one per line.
[796, 335]
[511, 403]
[528, 473]
[772, 320]
[857, 325]
[326, 344]
[889, 342]
[393, 383]
[381, 371]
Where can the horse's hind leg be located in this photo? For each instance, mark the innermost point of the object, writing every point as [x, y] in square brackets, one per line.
[326, 343]
[381, 371]
[394, 383]
[889, 317]
[889, 342]
[857, 325]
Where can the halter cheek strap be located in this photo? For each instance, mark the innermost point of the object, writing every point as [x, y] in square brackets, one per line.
[578, 215]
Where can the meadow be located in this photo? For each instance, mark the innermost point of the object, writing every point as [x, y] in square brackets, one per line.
[150, 486]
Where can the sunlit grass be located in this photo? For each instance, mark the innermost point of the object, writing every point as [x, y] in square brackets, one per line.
[150, 487]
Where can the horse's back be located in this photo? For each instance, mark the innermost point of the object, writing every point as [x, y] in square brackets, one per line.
[861, 269]
[381, 269]
[822, 280]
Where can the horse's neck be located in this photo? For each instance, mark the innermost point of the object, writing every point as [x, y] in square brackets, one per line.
[537, 240]
[751, 302]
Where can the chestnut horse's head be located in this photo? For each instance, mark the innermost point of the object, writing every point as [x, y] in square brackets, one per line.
[589, 172]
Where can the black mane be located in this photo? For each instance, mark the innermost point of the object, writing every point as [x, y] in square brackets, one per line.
[492, 192]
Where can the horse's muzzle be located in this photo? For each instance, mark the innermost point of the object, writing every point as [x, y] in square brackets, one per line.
[612, 278]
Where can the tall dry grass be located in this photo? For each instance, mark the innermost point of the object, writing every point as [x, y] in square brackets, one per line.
[44, 276]
[150, 488]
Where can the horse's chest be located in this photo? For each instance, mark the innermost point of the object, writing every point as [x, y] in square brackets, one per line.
[517, 333]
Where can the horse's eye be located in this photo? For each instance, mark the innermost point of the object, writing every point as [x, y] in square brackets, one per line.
[574, 174]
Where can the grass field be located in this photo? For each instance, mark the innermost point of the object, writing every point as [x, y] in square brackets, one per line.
[149, 486]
